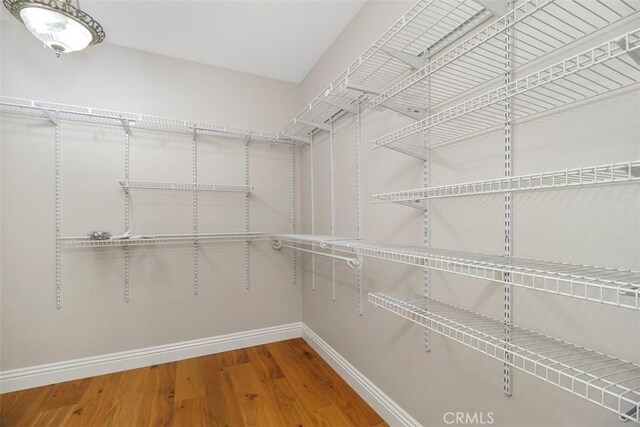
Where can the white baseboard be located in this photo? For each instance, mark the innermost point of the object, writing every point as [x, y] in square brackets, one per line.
[386, 407]
[35, 376]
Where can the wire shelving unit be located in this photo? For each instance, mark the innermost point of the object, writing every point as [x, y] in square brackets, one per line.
[461, 69]
[591, 283]
[131, 121]
[609, 382]
[541, 27]
[615, 173]
[163, 239]
[183, 186]
[602, 69]
[400, 51]
[59, 113]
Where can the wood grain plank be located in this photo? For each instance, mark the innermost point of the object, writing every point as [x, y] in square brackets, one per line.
[290, 405]
[190, 379]
[192, 413]
[359, 412]
[21, 407]
[304, 383]
[256, 404]
[332, 416]
[159, 396]
[221, 396]
[53, 417]
[265, 363]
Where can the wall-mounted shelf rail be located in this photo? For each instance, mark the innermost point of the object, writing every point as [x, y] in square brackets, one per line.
[159, 239]
[184, 186]
[603, 69]
[614, 173]
[598, 284]
[400, 51]
[611, 383]
[131, 121]
[541, 27]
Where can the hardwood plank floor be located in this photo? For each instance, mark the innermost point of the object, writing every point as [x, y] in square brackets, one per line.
[280, 384]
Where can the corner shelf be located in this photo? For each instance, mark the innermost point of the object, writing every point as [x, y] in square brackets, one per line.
[603, 69]
[163, 239]
[182, 186]
[606, 381]
[614, 173]
[609, 286]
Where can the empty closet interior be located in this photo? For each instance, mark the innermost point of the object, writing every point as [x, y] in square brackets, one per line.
[452, 223]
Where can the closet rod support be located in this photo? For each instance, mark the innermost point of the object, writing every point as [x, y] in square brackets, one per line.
[353, 263]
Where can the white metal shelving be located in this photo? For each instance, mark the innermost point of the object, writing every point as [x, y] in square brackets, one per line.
[541, 27]
[602, 69]
[614, 173]
[431, 65]
[183, 186]
[609, 382]
[128, 122]
[160, 239]
[591, 283]
[131, 121]
[426, 26]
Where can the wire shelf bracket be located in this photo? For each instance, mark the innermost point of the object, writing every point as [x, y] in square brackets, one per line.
[317, 125]
[412, 61]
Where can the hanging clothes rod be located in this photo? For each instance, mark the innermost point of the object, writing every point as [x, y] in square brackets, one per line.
[353, 263]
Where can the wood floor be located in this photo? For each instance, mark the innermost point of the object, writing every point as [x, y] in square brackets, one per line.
[280, 384]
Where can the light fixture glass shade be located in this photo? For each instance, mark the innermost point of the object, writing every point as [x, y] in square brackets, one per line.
[57, 31]
[59, 24]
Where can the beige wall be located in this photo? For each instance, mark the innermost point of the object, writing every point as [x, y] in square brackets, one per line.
[594, 226]
[597, 226]
[95, 320]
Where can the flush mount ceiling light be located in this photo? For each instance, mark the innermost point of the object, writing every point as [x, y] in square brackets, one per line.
[58, 24]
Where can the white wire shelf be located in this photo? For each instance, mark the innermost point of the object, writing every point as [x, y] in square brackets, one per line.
[587, 176]
[602, 69]
[609, 286]
[540, 28]
[309, 239]
[131, 121]
[163, 239]
[426, 26]
[611, 383]
[183, 186]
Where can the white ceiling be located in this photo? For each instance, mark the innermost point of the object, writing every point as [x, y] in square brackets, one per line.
[271, 38]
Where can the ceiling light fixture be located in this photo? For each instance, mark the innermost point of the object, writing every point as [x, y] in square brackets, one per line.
[58, 24]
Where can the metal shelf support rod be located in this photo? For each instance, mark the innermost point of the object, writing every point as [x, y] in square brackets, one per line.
[247, 222]
[127, 212]
[354, 263]
[313, 216]
[194, 206]
[332, 190]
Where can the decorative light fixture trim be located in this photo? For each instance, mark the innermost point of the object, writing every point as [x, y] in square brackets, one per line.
[61, 7]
